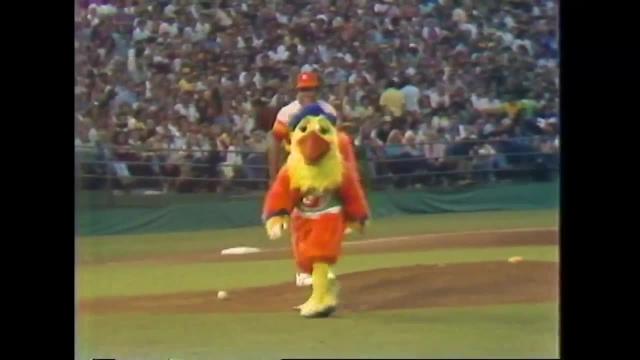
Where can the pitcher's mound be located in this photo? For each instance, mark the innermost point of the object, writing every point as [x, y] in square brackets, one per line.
[416, 286]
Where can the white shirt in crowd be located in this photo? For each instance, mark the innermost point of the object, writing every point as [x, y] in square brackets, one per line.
[479, 103]
[325, 54]
[488, 129]
[507, 38]
[177, 64]
[222, 18]
[188, 34]
[204, 146]
[282, 19]
[243, 78]
[380, 8]
[240, 44]
[140, 34]
[189, 111]
[148, 89]
[547, 63]
[353, 77]
[471, 28]
[459, 16]
[526, 43]
[277, 99]
[93, 136]
[106, 10]
[438, 101]
[440, 122]
[131, 61]
[486, 149]
[411, 96]
[169, 10]
[427, 32]
[258, 80]
[508, 20]
[347, 57]
[308, 67]
[257, 43]
[225, 81]
[179, 143]
[172, 30]
[247, 123]
[410, 71]
[435, 150]
[131, 122]
[203, 28]
[233, 156]
[281, 54]
[394, 11]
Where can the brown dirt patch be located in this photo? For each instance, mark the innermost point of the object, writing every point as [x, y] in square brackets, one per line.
[417, 286]
[516, 237]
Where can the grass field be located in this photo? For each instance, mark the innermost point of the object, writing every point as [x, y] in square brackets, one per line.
[505, 330]
[116, 247]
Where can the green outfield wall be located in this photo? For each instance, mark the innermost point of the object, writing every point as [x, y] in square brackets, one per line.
[100, 213]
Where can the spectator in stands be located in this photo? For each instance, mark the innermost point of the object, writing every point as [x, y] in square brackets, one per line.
[392, 99]
[382, 133]
[256, 159]
[232, 165]
[400, 160]
[410, 145]
[411, 96]
[484, 161]
[465, 57]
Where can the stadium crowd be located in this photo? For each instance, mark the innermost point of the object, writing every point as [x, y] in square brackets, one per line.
[189, 89]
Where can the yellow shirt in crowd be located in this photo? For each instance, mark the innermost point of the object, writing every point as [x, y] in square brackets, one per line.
[185, 85]
[393, 99]
[512, 108]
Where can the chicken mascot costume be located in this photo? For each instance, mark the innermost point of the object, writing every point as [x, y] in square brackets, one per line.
[318, 195]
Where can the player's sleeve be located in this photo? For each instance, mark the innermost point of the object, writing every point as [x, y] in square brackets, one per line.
[279, 199]
[353, 197]
[281, 125]
[330, 109]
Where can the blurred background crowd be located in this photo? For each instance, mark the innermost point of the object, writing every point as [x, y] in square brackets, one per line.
[434, 92]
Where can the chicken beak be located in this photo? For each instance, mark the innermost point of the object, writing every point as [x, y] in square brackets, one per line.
[313, 147]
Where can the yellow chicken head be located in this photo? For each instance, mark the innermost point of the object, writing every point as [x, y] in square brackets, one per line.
[315, 161]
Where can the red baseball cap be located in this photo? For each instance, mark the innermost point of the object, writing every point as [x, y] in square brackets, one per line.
[308, 80]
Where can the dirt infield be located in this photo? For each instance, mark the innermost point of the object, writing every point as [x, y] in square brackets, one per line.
[515, 237]
[418, 286]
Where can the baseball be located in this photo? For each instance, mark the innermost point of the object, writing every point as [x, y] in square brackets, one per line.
[515, 259]
[222, 295]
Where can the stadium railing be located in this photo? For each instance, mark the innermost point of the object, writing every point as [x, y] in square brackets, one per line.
[98, 169]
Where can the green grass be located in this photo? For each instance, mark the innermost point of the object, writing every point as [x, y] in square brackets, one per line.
[132, 279]
[528, 330]
[115, 247]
